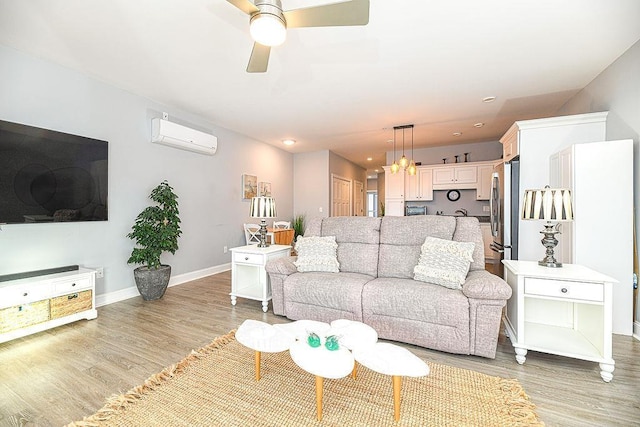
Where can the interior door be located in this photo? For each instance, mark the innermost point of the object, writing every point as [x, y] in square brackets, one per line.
[358, 198]
[340, 196]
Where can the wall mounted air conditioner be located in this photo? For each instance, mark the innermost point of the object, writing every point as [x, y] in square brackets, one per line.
[178, 136]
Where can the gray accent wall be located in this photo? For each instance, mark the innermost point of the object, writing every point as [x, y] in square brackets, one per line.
[42, 94]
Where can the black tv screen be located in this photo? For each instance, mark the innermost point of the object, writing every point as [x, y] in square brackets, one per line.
[49, 176]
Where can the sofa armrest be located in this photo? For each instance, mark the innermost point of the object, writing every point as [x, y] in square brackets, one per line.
[279, 269]
[481, 284]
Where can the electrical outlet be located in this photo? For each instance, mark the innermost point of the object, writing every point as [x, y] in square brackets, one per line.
[486, 209]
[225, 249]
[99, 272]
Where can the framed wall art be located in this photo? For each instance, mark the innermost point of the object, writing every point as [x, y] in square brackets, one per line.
[249, 186]
[264, 189]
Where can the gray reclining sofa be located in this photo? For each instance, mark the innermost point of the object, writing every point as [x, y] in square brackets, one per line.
[375, 284]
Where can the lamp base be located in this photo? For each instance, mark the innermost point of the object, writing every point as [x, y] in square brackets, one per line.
[263, 234]
[549, 241]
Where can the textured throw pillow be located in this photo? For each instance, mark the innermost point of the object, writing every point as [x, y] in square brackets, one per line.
[317, 254]
[444, 262]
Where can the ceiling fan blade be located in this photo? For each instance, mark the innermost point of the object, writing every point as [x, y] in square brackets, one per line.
[259, 58]
[354, 12]
[244, 5]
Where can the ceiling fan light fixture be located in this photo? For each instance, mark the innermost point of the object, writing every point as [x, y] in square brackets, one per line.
[268, 29]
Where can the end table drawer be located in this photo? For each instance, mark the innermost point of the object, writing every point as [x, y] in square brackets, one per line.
[564, 289]
[246, 258]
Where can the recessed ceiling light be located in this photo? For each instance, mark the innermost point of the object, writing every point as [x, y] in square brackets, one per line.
[376, 170]
[288, 141]
[478, 125]
[457, 133]
[489, 99]
[369, 158]
[389, 141]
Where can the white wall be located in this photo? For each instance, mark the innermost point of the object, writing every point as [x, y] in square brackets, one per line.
[43, 94]
[310, 184]
[617, 90]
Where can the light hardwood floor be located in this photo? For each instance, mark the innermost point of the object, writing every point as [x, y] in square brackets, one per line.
[64, 374]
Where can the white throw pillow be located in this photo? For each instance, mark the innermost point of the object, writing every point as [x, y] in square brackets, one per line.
[317, 254]
[444, 262]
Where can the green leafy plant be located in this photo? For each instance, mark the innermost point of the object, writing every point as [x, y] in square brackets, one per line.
[157, 228]
[298, 226]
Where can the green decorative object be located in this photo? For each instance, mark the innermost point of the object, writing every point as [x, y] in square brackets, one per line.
[314, 340]
[332, 343]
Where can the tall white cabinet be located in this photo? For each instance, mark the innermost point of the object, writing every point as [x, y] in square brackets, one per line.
[600, 175]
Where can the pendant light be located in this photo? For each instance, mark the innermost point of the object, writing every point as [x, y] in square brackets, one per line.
[411, 170]
[394, 167]
[403, 160]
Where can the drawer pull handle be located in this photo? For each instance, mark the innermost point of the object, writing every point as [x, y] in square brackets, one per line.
[563, 290]
[72, 296]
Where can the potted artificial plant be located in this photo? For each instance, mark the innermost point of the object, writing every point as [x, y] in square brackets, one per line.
[155, 231]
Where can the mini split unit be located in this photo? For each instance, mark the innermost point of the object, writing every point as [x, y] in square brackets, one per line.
[178, 136]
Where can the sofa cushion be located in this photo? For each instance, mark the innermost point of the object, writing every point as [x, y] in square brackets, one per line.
[317, 254]
[324, 296]
[468, 230]
[444, 262]
[358, 239]
[401, 239]
[418, 313]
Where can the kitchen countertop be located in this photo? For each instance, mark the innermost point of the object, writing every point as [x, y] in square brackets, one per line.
[482, 219]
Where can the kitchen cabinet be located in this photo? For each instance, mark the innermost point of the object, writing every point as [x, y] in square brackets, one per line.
[510, 144]
[600, 176]
[455, 177]
[487, 238]
[483, 191]
[393, 192]
[564, 311]
[419, 187]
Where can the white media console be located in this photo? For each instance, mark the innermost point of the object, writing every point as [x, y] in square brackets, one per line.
[34, 304]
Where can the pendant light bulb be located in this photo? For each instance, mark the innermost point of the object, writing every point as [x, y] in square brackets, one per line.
[394, 167]
[411, 170]
[404, 162]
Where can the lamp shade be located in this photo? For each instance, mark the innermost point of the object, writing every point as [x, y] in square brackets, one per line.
[268, 29]
[263, 207]
[548, 204]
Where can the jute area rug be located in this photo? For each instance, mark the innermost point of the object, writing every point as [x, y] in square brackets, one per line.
[215, 386]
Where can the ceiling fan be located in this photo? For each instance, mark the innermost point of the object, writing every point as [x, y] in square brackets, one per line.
[269, 23]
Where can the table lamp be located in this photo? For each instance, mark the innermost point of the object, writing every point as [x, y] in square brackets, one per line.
[551, 205]
[263, 207]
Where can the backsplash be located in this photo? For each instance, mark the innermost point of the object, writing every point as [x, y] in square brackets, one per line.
[466, 201]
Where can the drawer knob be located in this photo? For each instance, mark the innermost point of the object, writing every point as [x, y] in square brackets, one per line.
[563, 290]
[72, 285]
[246, 258]
[25, 294]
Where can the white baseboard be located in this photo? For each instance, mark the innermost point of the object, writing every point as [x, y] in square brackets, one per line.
[132, 291]
[636, 330]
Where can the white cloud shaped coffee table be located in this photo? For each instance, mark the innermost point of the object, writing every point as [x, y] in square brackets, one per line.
[357, 342]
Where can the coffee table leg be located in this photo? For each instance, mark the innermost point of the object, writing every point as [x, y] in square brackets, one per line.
[397, 384]
[319, 397]
[257, 357]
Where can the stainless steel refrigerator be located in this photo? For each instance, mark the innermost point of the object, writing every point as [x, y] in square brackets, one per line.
[505, 210]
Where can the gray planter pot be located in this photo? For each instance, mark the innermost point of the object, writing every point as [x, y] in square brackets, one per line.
[152, 283]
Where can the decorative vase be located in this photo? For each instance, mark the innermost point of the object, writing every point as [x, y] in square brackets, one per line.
[152, 282]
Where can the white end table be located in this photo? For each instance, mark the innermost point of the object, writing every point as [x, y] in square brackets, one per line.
[249, 279]
[565, 311]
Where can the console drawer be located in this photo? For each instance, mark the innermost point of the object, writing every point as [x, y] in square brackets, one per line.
[21, 316]
[67, 305]
[24, 294]
[73, 285]
[245, 258]
[564, 289]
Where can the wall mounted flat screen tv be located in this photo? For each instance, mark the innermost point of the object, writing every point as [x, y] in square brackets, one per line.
[49, 176]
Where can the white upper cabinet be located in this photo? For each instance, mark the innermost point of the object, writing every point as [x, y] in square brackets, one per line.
[419, 187]
[455, 177]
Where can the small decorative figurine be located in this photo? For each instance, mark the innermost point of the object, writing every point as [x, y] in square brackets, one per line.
[313, 339]
[466, 157]
[332, 343]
